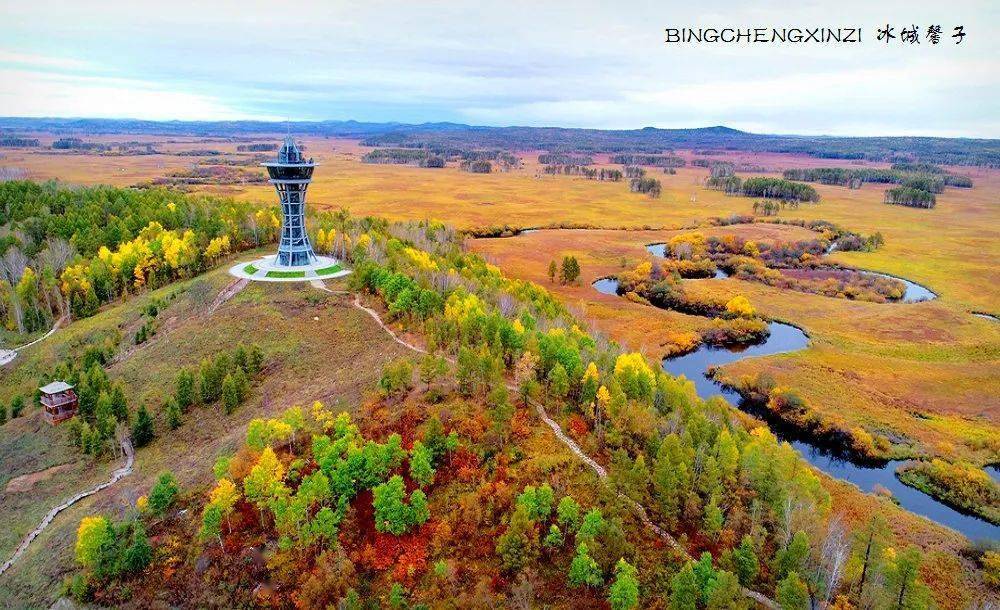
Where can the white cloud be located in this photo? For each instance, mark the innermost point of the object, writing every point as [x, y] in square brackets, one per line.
[8, 56]
[41, 94]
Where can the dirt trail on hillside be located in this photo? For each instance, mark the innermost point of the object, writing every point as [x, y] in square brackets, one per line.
[8, 355]
[233, 289]
[27, 481]
[116, 476]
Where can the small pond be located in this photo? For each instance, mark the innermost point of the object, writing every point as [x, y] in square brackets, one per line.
[607, 285]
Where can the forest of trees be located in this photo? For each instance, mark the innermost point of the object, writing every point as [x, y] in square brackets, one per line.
[564, 159]
[949, 178]
[778, 188]
[611, 408]
[257, 147]
[479, 166]
[654, 160]
[735, 166]
[590, 173]
[651, 187]
[400, 156]
[910, 197]
[722, 179]
[918, 182]
[77, 144]
[729, 184]
[207, 174]
[842, 176]
[17, 142]
[503, 159]
[918, 175]
[68, 250]
[474, 161]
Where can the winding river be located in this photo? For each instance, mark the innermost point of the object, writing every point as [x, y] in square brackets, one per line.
[914, 291]
[868, 477]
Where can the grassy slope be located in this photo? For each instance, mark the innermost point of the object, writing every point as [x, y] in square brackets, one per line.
[335, 357]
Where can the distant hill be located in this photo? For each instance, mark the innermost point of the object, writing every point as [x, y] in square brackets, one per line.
[949, 151]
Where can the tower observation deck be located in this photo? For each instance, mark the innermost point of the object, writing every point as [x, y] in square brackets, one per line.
[291, 174]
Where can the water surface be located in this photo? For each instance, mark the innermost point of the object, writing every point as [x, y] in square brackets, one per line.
[607, 285]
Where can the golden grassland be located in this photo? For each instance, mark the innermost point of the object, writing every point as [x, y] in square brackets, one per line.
[335, 358]
[926, 372]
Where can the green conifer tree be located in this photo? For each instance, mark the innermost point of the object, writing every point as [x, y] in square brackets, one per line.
[142, 429]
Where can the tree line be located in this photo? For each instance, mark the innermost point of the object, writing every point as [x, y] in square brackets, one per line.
[654, 160]
[910, 197]
[778, 188]
[651, 187]
[68, 250]
[16, 142]
[565, 159]
[931, 177]
[257, 147]
[590, 173]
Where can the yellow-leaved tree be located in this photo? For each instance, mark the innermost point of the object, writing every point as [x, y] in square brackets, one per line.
[219, 246]
[634, 374]
[92, 535]
[739, 306]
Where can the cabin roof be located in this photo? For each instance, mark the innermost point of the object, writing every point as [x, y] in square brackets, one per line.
[55, 387]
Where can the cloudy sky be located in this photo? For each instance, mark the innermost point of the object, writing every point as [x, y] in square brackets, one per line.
[541, 62]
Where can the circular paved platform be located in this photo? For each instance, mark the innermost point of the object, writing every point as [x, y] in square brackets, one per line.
[266, 270]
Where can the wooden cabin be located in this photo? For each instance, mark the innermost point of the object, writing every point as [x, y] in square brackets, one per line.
[59, 401]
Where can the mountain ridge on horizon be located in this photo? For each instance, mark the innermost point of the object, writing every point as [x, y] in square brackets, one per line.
[443, 134]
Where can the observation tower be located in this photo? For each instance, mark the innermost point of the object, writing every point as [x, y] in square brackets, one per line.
[295, 261]
[291, 174]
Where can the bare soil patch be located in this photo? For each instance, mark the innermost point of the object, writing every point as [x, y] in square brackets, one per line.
[27, 481]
